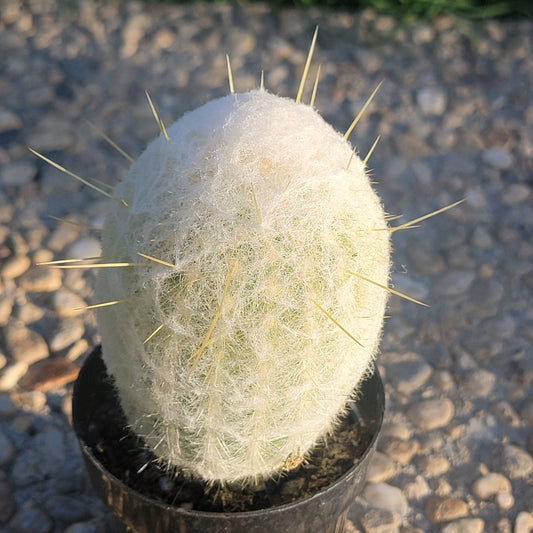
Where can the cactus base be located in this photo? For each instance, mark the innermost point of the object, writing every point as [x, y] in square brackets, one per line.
[96, 418]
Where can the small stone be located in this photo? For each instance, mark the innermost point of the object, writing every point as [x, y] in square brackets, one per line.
[23, 344]
[8, 120]
[41, 459]
[490, 485]
[381, 468]
[396, 431]
[481, 238]
[479, 383]
[499, 158]
[383, 496]
[85, 247]
[432, 413]
[523, 523]
[6, 306]
[132, 32]
[30, 519]
[7, 407]
[41, 279]
[505, 501]
[29, 313]
[465, 525]
[443, 379]
[10, 375]
[434, 465]
[409, 372]
[431, 101]
[88, 527]
[527, 413]
[49, 373]
[380, 521]
[17, 174]
[400, 451]
[30, 402]
[424, 259]
[15, 266]
[7, 502]
[516, 462]
[52, 133]
[506, 413]
[455, 282]
[503, 525]
[515, 194]
[77, 349]
[440, 509]
[6, 449]
[417, 489]
[67, 332]
[67, 303]
[67, 509]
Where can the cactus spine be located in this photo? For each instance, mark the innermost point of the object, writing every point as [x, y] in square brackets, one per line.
[248, 319]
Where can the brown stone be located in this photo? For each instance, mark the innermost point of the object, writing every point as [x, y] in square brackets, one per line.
[49, 373]
[440, 510]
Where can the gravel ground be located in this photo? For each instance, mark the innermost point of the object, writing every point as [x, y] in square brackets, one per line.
[455, 115]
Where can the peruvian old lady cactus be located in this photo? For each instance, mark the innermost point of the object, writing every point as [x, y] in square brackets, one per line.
[254, 303]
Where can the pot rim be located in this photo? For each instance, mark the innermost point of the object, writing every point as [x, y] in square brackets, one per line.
[87, 451]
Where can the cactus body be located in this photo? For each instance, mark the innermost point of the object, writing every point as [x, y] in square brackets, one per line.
[239, 357]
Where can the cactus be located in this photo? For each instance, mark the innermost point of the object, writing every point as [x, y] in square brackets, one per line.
[253, 307]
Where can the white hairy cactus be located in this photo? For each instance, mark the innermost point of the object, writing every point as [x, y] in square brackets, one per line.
[255, 298]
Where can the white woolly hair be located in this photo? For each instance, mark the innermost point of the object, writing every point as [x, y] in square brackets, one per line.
[237, 359]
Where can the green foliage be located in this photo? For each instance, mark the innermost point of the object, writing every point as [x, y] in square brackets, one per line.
[422, 9]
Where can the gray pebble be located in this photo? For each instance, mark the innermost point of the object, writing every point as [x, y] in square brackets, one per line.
[68, 509]
[6, 449]
[432, 413]
[434, 465]
[384, 496]
[523, 522]
[85, 247]
[481, 238]
[418, 489]
[92, 526]
[515, 194]
[66, 333]
[52, 133]
[432, 101]
[465, 525]
[67, 303]
[10, 375]
[380, 521]
[455, 282]
[17, 174]
[41, 279]
[516, 462]
[23, 344]
[7, 407]
[9, 120]
[499, 158]
[381, 468]
[30, 519]
[479, 383]
[7, 502]
[409, 372]
[41, 459]
[491, 484]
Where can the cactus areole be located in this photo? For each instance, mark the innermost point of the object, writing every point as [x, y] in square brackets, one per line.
[255, 299]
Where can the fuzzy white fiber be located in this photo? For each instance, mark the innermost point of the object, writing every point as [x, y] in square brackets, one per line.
[265, 332]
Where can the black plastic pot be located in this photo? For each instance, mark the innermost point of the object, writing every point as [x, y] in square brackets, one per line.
[324, 512]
